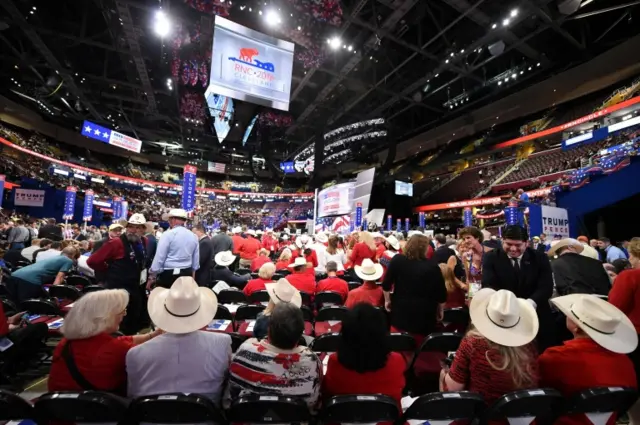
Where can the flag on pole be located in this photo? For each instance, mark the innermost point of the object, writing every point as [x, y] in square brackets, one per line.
[69, 203]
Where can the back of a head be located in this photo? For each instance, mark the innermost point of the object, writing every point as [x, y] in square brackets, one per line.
[94, 313]
[416, 247]
[200, 228]
[331, 266]
[267, 270]
[56, 245]
[441, 239]
[71, 252]
[286, 325]
[364, 344]
[36, 242]
[604, 240]
[51, 221]
[223, 228]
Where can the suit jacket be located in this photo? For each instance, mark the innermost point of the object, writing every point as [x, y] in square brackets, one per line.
[203, 274]
[577, 274]
[50, 231]
[221, 242]
[442, 254]
[226, 275]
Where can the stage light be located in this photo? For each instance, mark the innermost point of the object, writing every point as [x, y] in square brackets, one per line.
[514, 13]
[335, 43]
[162, 25]
[349, 48]
[538, 64]
[506, 22]
[273, 18]
[494, 26]
[513, 76]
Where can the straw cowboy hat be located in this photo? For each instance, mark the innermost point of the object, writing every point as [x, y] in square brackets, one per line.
[393, 241]
[562, 243]
[137, 220]
[115, 226]
[283, 292]
[603, 322]
[502, 318]
[178, 213]
[251, 232]
[224, 258]
[322, 238]
[183, 308]
[299, 261]
[369, 271]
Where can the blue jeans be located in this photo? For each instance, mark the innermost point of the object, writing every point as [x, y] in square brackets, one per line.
[17, 245]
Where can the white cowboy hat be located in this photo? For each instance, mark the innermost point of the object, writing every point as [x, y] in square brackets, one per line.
[602, 321]
[237, 230]
[285, 237]
[590, 252]
[302, 241]
[556, 245]
[259, 232]
[115, 226]
[137, 219]
[322, 238]
[502, 318]
[299, 261]
[224, 258]
[377, 235]
[393, 241]
[283, 292]
[269, 230]
[183, 308]
[251, 232]
[178, 213]
[369, 271]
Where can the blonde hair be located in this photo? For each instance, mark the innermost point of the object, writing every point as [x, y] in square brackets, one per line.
[634, 247]
[449, 277]
[367, 239]
[94, 313]
[267, 270]
[263, 252]
[285, 255]
[516, 361]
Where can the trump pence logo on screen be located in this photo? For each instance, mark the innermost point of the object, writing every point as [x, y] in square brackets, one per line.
[254, 71]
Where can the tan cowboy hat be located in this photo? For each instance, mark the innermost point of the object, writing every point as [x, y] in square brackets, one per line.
[224, 258]
[251, 232]
[137, 220]
[369, 271]
[299, 261]
[503, 318]
[183, 308]
[590, 252]
[393, 241]
[322, 237]
[556, 245]
[115, 226]
[602, 321]
[178, 213]
[283, 292]
[237, 230]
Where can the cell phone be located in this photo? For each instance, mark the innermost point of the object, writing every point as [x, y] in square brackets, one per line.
[24, 319]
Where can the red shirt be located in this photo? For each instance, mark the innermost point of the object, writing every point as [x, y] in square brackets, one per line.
[100, 359]
[625, 295]
[338, 380]
[380, 249]
[581, 364]
[282, 264]
[334, 284]
[255, 285]
[4, 326]
[369, 293]
[457, 298]
[360, 252]
[259, 261]
[269, 243]
[303, 282]
[249, 249]
[238, 241]
[111, 250]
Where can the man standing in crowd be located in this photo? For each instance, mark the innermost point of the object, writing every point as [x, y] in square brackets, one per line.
[152, 242]
[177, 253]
[611, 252]
[222, 242]
[27, 253]
[249, 249]
[18, 235]
[237, 239]
[575, 273]
[115, 230]
[443, 253]
[120, 262]
[47, 251]
[77, 234]
[526, 273]
[33, 230]
[50, 231]
[203, 275]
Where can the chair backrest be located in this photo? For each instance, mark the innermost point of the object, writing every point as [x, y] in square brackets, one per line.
[306, 298]
[524, 406]
[93, 288]
[254, 275]
[231, 296]
[448, 406]
[459, 317]
[284, 273]
[223, 313]
[259, 297]
[360, 409]
[326, 343]
[237, 340]
[78, 281]
[175, 409]
[9, 307]
[307, 314]
[321, 276]
[331, 313]
[442, 342]
[601, 402]
[402, 341]
[277, 276]
[83, 406]
[328, 297]
[354, 285]
[64, 292]
[14, 407]
[268, 409]
[248, 312]
[41, 306]
[243, 271]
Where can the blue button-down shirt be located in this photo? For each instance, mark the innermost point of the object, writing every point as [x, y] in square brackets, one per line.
[177, 249]
[614, 253]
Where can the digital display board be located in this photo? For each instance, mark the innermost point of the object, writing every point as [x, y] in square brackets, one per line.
[336, 200]
[110, 137]
[404, 188]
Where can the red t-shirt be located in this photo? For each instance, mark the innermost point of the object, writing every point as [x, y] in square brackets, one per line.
[625, 294]
[303, 282]
[360, 252]
[581, 364]
[369, 293]
[457, 298]
[380, 249]
[249, 249]
[283, 265]
[312, 258]
[258, 262]
[238, 241]
[269, 243]
[255, 285]
[334, 284]
[101, 359]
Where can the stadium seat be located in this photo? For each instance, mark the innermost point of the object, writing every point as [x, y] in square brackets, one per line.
[175, 409]
[13, 407]
[307, 314]
[254, 275]
[401, 342]
[92, 288]
[354, 285]
[259, 297]
[64, 292]
[424, 369]
[601, 402]
[456, 319]
[331, 313]
[360, 409]
[284, 273]
[328, 298]
[23, 263]
[524, 406]
[231, 296]
[243, 272]
[461, 406]
[4, 292]
[223, 313]
[77, 280]
[327, 343]
[83, 406]
[270, 409]
[321, 276]
[236, 340]
[9, 307]
[306, 298]
[248, 312]
[41, 306]
[277, 276]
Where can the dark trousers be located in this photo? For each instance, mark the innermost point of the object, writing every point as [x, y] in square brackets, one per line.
[131, 322]
[27, 341]
[166, 278]
[21, 290]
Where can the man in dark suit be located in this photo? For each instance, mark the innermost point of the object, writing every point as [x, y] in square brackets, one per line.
[443, 253]
[50, 231]
[222, 242]
[203, 274]
[576, 274]
[526, 273]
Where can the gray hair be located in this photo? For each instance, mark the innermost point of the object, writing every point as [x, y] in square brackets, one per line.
[267, 270]
[94, 313]
[286, 325]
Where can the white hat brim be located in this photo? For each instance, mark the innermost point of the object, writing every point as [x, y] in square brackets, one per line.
[521, 334]
[322, 238]
[294, 265]
[563, 243]
[395, 245]
[271, 287]
[625, 338]
[370, 277]
[218, 260]
[181, 325]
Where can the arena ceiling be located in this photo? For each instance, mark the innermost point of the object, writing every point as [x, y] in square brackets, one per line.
[415, 63]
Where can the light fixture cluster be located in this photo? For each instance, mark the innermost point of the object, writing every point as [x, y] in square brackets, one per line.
[336, 43]
[457, 101]
[507, 20]
[192, 139]
[170, 84]
[16, 82]
[45, 107]
[512, 75]
[161, 24]
[193, 121]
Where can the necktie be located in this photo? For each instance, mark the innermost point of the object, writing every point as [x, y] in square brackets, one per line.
[516, 265]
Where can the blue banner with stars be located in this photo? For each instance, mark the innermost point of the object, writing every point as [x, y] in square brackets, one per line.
[189, 188]
[87, 211]
[69, 202]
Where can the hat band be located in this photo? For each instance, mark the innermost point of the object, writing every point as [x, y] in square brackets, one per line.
[589, 326]
[276, 295]
[180, 315]
[498, 324]
[367, 273]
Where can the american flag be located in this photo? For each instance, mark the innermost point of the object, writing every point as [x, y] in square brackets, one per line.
[216, 167]
[323, 224]
[333, 224]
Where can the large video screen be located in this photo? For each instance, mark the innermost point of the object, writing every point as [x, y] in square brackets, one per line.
[336, 200]
[404, 188]
[251, 66]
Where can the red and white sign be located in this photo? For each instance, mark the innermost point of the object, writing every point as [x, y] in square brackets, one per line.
[335, 200]
[494, 200]
[125, 142]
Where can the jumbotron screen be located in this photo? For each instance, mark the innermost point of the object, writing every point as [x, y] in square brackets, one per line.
[404, 188]
[336, 200]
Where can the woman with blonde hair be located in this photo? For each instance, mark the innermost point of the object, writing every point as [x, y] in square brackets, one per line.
[365, 248]
[284, 260]
[97, 358]
[265, 275]
[456, 289]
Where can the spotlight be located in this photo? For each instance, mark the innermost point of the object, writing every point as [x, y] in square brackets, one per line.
[446, 61]
[494, 26]
[273, 18]
[349, 48]
[335, 43]
[506, 22]
[513, 76]
[514, 13]
[162, 25]
[538, 64]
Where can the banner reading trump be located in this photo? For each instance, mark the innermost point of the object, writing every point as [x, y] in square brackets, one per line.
[551, 221]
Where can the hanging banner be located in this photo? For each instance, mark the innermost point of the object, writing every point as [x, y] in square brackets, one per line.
[398, 225]
[29, 197]
[389, 223]
[270, 222]
[124, 210]
[189, 188]
[365, 225]
[467, 217]
[358, 215]
[69, 203]
[352, 226]
[87, 210]
[421, 219]
[407, 225]
[2, 177]
[117, 207]
[512, 214]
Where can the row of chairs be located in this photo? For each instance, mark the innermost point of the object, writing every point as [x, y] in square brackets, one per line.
[542, 405]
[230, 296]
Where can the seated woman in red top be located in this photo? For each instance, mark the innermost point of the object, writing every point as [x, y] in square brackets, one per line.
[364, 363]
[496, 356]
[333, 283]
[300, 279]
[366, 248]
[369, 292]
[456, 289]
[284, 260]
[265, 275]
[595, 357]
[262, 258]
[99, 357]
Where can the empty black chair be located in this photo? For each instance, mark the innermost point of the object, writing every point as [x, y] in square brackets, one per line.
[423, 371]
[230, 296]
[93, 288]
[259, 297]
[321, 276]
[9, 307]
[306, 298]
[243, 271]
[256, 409]
[23, 263]
[223, 313]
[331, 313]
[602, 400]
[65, 292]
[13, 407]
[327, 343]
[543, 405]
[83, 406]
[354, 285]
[461, 406]
[255, 275]
[401, 341]
[307, 314]
[360, 409]
[237, 340]
[78, 281]
[328, 298]
[248, 312]
[456, 319]
[175, 409]
[41, 306]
